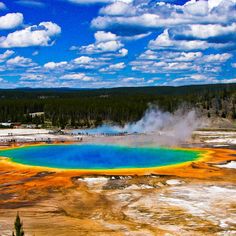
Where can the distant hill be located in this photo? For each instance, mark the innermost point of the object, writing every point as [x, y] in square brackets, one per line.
[157, 90]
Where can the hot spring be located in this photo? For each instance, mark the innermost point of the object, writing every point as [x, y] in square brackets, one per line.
[98, 157]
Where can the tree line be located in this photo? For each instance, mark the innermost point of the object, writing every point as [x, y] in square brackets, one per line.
[86, 108]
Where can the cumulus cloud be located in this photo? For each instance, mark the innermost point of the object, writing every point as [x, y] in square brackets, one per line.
[19, 61]
[83, 60]
[36, 35]
[197, 8]
[6, 55]
[117, 66]
[198, 79]
[179, 62]
[54, 65]
[166, 15]
[118, 9]
[77, 76]
[164, 41]
[146, 20]
[32, 77]
[233, 80]
[132, 79]
[201, 24]
[104, 42]
[204, 32]
[113, 67]
[217, 58]
[11, 21]
[102, 36]
[153, 67]
[189, 56]
[123, 52]
[2, 6]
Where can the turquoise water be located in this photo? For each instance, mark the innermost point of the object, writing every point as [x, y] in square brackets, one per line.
[104, 129]
[90, 156]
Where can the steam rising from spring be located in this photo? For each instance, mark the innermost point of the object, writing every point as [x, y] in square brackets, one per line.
[156, 127]
[165, 128]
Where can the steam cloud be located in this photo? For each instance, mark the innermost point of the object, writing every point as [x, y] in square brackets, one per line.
[165, 128]
[154, 128]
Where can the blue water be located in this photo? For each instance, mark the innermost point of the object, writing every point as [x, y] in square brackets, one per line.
[104, 129]
[90, 156]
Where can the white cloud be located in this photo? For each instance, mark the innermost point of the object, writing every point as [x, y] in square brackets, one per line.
[6, 55]
[102, 36]
[123, 52]
[198, 77]
[179, 62]
[83, 60]
[11, 21]
[109, 46]
[118, 8]
[197, 18]
[105, 42]
[110, 55]
[148, 55]
[88, 63]
[233, 80]
[20, 62]
[134, 37]
[213, 3]
[117, 66]
[218, 58]
[205, 31]
[173, 66]
[198, 8]
[196, 57]
[55, 65]
[193, 79]
[32, 77]
[77, 76]
[35, 53]
[163, 41]
[170, 56]
[113, 67]
[145, 20]
[2, 6]
[132, 79]
[167, 15]
[189, 56]
[36, 35]
[233, 65]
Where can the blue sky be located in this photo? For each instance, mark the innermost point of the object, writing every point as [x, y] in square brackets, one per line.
[113, 43]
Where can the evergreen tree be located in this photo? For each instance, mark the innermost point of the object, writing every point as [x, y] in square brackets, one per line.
[18, 227]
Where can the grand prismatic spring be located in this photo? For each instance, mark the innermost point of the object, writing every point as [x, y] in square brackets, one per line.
[98, 157]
